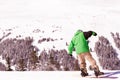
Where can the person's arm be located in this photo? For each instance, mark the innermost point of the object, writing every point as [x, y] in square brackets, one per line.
[89, 34]
[70, 48]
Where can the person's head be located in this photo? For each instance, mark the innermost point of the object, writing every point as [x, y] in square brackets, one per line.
[77, 32]
[80, 30]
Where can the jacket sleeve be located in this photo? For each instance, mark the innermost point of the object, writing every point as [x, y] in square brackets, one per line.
[70, 47]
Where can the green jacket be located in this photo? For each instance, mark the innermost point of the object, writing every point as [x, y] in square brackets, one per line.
[79, 43]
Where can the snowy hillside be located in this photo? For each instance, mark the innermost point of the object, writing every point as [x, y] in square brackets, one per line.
[56, 21]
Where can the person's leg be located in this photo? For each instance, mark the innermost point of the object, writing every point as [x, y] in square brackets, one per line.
[82, 63]
[94, 66]
[91, 60]
[81, 60]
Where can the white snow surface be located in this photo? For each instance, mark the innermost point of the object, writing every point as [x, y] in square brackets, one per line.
[27, 17]
[51, 75]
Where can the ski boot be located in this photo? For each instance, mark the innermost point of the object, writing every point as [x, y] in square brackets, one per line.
[97, 72]
[83, 73]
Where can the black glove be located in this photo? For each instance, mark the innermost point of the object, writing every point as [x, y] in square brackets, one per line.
[70, 54]
[73, 49]
[88, 41]
[95, 34]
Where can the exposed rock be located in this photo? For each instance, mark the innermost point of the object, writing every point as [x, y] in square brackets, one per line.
[107, 55]
[2, 67]
[17, 50]
[58, 60]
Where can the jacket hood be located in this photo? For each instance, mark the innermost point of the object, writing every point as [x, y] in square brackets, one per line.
[78, 32]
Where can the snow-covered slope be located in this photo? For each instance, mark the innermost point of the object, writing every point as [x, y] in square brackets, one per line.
[26, 16]
[57, 19]
[68, 75]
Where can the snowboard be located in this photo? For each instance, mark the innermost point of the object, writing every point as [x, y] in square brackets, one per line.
[102, 76]
[106, 76]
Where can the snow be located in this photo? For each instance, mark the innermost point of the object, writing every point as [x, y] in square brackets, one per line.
[53, 75]
[65, 16]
